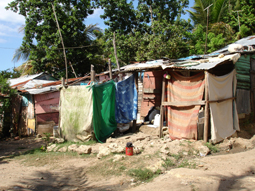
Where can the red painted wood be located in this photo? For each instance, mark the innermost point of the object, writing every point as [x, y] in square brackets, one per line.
[42, 118]
[48, 96]
[154, 82]
[47, 106]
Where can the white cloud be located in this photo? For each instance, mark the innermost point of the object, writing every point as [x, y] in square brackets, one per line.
[3, 41]
[96, 14]
[8, 15]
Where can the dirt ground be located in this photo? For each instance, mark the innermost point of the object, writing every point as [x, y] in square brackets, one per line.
[24, 170]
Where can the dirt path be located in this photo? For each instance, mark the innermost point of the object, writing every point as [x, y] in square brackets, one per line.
[224, 172]
[69, 171]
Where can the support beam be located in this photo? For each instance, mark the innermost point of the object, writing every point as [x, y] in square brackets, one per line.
[206, 122]
[162, 108]
[92, 73]
[110, 68]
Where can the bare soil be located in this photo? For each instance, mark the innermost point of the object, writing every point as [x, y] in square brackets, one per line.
[23, 170]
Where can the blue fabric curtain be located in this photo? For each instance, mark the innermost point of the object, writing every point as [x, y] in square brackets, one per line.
[126, 100]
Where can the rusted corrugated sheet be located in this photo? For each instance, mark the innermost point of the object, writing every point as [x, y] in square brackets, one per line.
[152, 88]
[16, 104]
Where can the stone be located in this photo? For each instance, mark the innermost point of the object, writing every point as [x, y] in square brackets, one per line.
[38, 136]
[118, 157]
[201, 148]
[59, 140]
[165, 149]
[73, 147]
[84, 149]
[242, 143]
[103, 151]
[63, 149]
[110, 140]
[115, 148]
[137, 150]
[226, 145]
[165, 128]
[253, 140]
[51, 147]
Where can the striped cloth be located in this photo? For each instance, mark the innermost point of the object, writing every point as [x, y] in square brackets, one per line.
[182, 121]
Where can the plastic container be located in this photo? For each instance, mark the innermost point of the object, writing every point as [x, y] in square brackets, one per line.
[157, 120]
[129, 151]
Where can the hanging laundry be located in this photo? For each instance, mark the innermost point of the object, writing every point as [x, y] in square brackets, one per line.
[126, 100]
[224, 117]
[76, 112]
[182, 121]
[104, 122]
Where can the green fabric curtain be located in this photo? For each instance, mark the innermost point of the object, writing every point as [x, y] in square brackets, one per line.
[104, 122]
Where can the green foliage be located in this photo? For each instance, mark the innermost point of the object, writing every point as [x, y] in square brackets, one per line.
[212, 148]
[42, 38]
[168, 163]
[142, 174]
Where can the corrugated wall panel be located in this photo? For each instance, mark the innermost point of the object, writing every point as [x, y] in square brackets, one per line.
[46, 117]
[243, 72]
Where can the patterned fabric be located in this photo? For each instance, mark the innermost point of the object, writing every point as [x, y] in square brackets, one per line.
[182, 121]
[126, 100]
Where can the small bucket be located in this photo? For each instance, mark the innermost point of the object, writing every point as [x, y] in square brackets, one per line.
[129, 151]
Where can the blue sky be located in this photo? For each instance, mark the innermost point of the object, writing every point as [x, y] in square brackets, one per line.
[11, 39]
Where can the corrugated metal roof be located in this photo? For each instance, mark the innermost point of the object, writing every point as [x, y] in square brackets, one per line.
[36, 84]
[43, 90]
[22, 79]
[247, 41]
[204, 64]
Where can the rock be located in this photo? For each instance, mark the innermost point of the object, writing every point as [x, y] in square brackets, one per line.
[55, 149]
[115, 148]
[226, 145]
[201, 148]
[177, 146]
[165, 149]
[38, 136]
[242, 143]
[51, 147]
[73, 147]
[59, 140]
[185, 153]
[118, 157]
[103, 151]
[37, 159]
[63, 149]
[137, 150]
[84, 149]
[165, 128]
[253, 140]
[110, 140]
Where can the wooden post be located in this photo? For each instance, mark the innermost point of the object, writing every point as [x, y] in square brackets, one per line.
[162, 108]
[136, 84]
[92, 73]
[206, 121]
[63, 81]
[64, 51]
[110, 68]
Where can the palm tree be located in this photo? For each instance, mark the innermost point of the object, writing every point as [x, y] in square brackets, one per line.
[216, 12]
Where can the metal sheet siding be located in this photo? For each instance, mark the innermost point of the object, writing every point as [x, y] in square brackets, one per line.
[243, 72]
[243, 101]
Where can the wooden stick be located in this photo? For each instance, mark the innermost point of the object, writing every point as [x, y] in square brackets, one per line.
[64, 51]
[110, 68]
[162, 108]
[183, 103]
[221, 100]
[92, 73]
[206, 122]
[73, 69]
